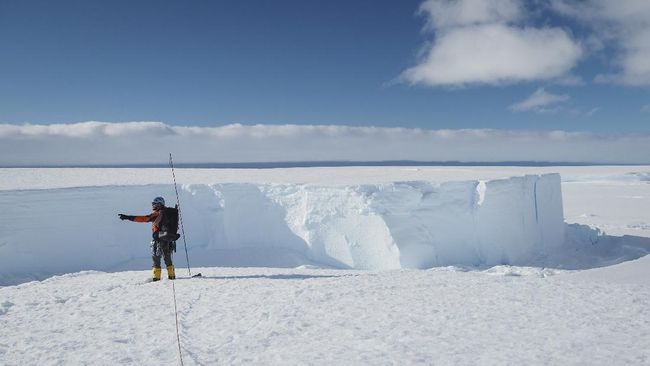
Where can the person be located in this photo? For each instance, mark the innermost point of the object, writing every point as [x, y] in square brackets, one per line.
[159, 248]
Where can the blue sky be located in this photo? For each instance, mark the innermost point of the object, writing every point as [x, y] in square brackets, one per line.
[212, 63]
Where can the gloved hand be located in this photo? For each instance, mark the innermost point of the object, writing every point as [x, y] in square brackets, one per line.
[125, 217]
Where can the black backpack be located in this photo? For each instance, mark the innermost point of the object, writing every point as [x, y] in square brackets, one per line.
[169, 225]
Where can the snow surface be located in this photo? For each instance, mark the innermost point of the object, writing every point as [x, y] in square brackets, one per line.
[542, 311]
[49, 178]
[244, 316]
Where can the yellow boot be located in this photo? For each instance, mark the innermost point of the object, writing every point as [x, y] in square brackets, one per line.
[156, 273]
[171, 274]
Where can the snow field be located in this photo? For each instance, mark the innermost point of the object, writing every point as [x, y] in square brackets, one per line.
[63, 220]
[245, 316]
[50, 178]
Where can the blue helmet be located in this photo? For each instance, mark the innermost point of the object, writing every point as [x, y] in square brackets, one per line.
[158, 201]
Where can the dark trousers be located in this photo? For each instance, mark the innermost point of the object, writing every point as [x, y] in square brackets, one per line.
[161, 249]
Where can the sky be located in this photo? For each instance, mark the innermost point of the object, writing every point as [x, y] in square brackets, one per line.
[427, 65]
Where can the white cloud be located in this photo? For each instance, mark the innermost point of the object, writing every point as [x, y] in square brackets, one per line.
[150, 142]
[495, 54]
[538, 101]
[445, 13]
[624, 23]
[646, 108]
[593, 111]
[569, 80]
[480, 42]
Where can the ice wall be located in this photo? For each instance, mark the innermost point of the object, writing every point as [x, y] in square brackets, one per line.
[473, 223]
[381, 226]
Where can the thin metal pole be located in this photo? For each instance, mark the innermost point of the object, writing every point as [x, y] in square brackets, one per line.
[180, 217]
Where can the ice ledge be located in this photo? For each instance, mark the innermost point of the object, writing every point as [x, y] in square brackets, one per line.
[385, 226]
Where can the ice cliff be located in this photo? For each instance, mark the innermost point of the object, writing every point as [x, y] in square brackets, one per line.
[387, 226]
[377, 226]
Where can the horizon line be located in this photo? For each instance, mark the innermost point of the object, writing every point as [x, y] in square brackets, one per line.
[323, 164]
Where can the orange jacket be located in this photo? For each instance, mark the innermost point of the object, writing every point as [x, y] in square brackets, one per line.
[153, 218]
